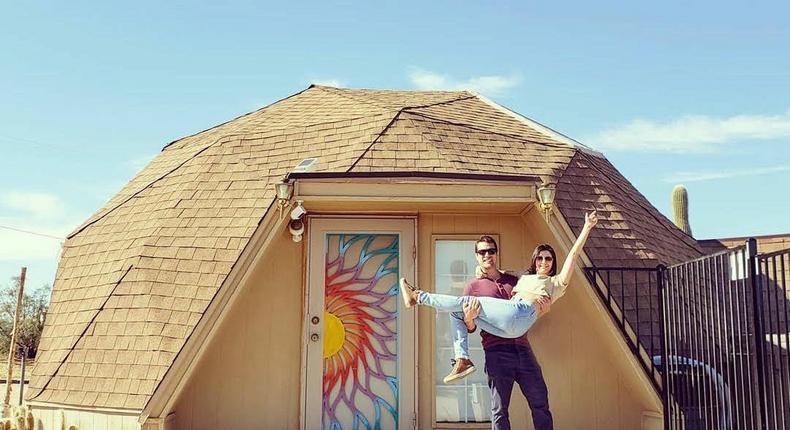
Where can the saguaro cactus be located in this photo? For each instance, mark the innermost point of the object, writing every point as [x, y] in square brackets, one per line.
[680, 208]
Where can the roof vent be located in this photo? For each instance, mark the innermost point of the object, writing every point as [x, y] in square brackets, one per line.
[305, 165]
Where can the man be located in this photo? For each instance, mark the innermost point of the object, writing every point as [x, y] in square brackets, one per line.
[507, 361]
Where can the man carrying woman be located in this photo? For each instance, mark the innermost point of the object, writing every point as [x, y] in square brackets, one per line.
[508, 316]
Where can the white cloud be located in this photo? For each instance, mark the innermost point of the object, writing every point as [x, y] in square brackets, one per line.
[34, 243]
[32, 226]
[492, 85]
[328, 82]
[37, 205]
[22, 246]
[691, 133]
[678, 177]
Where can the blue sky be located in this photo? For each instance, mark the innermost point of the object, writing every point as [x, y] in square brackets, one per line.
[672, 92]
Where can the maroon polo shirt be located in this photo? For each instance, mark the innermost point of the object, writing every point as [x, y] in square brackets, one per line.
[502, 288]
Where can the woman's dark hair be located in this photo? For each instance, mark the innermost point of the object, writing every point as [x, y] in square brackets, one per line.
[486, 239]
[533, 269]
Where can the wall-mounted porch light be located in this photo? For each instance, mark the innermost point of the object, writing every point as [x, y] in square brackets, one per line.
[546, 194]
[284, 190]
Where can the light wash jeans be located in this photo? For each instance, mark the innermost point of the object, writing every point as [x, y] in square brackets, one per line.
[503, 318]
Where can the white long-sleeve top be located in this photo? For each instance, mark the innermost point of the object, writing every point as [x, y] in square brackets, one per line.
[530, 287]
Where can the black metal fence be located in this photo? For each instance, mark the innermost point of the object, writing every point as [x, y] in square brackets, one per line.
[712, 333]
[633, 300]
[773, 276]
[710, 362]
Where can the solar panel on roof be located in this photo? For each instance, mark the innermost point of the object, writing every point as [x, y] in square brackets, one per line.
[305, 165]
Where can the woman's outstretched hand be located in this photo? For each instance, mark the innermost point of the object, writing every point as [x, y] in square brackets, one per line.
[590, 219]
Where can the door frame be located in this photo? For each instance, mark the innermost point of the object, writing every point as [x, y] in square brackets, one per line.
[318, 226]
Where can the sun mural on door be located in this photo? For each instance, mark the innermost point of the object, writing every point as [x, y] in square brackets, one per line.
[360, 385]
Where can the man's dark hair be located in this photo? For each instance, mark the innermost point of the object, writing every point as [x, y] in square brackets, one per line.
[486, 239]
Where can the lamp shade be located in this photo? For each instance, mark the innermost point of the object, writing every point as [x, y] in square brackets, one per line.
[546, 193]
[283, 190]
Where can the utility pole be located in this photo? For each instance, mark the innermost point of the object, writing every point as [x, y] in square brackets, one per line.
[22, 375]
[20, 294]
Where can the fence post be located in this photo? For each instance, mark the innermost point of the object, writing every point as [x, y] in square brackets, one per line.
[759, 340]
[662, 305]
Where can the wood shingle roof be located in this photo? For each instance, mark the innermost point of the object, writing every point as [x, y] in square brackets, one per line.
[137, 276]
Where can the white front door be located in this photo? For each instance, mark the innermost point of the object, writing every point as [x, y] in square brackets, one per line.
[360, 356]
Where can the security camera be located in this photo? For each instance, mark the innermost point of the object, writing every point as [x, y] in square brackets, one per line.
[296, 227]
[299, 211]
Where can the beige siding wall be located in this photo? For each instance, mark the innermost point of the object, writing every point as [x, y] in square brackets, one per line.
[591, 383]
[51, 419]
[249, 376]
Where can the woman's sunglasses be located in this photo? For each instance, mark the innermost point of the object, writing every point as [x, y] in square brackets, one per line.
[483, 252]
[548, 259]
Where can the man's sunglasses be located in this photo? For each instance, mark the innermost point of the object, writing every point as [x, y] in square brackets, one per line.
[483, 252]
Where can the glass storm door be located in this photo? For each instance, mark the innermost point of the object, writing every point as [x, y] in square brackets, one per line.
[360, 341]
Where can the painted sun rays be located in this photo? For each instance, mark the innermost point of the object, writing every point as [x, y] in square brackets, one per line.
[360, 383]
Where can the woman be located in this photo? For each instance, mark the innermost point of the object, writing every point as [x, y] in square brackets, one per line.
[505, 318]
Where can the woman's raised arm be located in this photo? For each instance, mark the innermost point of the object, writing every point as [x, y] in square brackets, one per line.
[590, 219]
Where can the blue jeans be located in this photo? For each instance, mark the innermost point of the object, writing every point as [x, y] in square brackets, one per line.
[503, 318]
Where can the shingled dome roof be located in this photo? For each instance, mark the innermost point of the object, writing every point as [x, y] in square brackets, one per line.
[137, 276]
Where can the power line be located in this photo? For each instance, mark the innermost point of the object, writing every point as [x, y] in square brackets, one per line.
[32, 232]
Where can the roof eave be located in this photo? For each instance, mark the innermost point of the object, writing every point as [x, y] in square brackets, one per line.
[67, 406]
[415, 175]
[414, 187]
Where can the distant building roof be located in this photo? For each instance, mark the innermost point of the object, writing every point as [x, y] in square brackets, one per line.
[765, 243]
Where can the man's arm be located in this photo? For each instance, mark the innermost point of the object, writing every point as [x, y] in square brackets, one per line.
[471, 310]
[543, 305]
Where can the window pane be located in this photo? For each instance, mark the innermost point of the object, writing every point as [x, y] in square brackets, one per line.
[468, 400]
